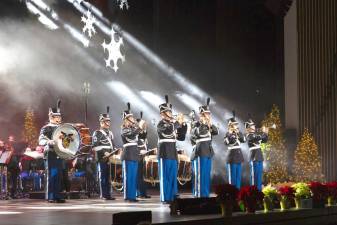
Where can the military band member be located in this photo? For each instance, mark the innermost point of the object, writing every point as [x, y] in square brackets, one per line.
[143, 149]
[54, 164]
[130, 155]
[254, 139]
[202, 134]
[233, 139]
[169, 131]
[103, 147]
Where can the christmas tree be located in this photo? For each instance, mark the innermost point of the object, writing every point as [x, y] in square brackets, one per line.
[275, 150]
[30, 133]
[307, 163]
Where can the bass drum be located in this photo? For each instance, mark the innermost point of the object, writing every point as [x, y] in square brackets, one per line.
[67, 141]
[184, 169]
[151, 170]
[116, 172]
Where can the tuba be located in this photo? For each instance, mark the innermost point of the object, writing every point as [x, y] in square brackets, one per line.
[67, 141]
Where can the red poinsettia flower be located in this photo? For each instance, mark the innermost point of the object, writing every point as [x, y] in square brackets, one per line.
[287, 191]
[250, 195]
[319, 191]
[332, 189]
[226, 192]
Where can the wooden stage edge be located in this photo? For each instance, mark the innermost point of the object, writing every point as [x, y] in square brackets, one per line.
[324, 216]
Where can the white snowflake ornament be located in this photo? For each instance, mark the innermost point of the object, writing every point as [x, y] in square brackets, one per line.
[114, 52]
[89, 21]
[123, 3]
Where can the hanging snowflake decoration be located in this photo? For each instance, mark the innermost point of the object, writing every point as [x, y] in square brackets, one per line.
[89, 21]
[123, 3]
[114, 52]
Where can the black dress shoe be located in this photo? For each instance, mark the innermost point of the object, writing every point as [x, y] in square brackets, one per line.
[167, 202]
[60, 201]
[133, 200]
[109, 198]
[51, 201]
[144, 196]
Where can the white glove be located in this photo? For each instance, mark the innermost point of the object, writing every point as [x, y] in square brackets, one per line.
[51, 143]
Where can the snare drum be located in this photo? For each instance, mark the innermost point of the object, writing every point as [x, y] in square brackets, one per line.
[116, 172]
[151, 171]
[85, 136]
[184, 169]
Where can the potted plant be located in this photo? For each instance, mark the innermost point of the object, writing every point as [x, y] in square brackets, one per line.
[303, 198]
[226, 196]
[249, 197]
[319, 194]
[270, 194]
[287, 195]
[332, 193]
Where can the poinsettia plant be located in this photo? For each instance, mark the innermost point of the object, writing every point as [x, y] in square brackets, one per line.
[332, 189]
[286, 192]
[319, 191]
[302, 191]
[249, 197]
[270, 192]
[226, 193]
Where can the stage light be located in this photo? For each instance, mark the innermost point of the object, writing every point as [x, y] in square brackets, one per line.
[189, 101]
[127, 95]
[77, 35]
[9, 213]
[41, 16]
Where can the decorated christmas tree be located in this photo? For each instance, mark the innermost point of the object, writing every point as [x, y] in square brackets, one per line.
[307, 164]
[30, 133]
[275, 150]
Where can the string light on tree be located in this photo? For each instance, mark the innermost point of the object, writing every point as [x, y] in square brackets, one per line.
[276, 153]
[30, 133]
[307, 164]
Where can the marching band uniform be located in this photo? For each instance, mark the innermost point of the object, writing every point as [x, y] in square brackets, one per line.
[168, 133]
[234, 157]
[202, 155]
[254, 140]
[102, 142]
[142, 146]
[54, 164]
[130, 157]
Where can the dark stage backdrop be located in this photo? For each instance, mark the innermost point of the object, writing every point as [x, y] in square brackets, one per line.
[232, 49]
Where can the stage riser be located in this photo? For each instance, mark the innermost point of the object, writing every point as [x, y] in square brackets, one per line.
[326, 216]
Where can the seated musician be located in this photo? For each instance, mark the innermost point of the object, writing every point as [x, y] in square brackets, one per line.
[13, 166]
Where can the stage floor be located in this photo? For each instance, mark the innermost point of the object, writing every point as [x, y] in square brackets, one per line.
[83, 211]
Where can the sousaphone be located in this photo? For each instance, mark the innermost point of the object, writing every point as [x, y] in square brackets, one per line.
[67, 141]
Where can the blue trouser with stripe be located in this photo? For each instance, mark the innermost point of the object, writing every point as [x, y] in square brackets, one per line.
[256, 173]
[168, 169]
[130, 179]
[234, 174]
[54, 176]
[141, 185]
[201, 176]
[103, 170]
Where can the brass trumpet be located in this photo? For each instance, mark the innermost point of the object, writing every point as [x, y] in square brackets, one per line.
[264, 129]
